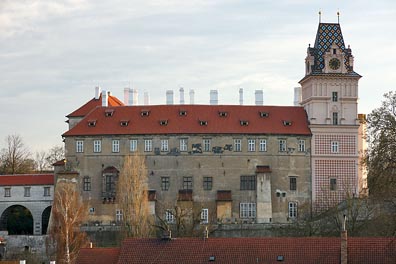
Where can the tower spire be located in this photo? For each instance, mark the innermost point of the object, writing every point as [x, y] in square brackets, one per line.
[320, 16]
[338, 16]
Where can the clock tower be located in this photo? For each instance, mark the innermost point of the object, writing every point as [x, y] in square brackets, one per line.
[329, 94]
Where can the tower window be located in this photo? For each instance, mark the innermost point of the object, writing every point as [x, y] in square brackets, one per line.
[334, 51]
[334, 96]
[333, 184]
[335, 118]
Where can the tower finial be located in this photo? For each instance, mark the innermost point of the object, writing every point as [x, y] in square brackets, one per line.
[338, 16]
[320, 16]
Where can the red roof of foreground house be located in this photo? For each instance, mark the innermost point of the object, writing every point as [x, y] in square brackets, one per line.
[248, 250]
[90, 105]
[193, 119]
[27, 179]
[257, 250]
[98, 255]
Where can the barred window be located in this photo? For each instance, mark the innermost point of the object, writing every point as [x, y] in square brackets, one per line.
[293, 183]
[187, 183]
[248, 182]
[207, 183]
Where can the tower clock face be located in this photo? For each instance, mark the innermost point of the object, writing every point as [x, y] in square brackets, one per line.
[334, 64]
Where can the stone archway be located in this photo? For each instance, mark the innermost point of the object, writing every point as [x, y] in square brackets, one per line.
[45, 220]
[17, 220]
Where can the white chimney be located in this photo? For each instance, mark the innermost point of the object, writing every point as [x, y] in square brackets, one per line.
[181, 90]
[97, 92]
[133, 96]
[169, 97]
[192, 93]
[241, 96]
[297, 96]
[146, 98]
[126, 96]
[105, 101]
[258, 97]
[213, 97]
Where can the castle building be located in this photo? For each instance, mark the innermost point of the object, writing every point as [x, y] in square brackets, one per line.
[330, 98]
[228, 163]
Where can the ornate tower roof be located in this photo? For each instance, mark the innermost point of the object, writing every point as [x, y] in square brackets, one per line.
[329, 36]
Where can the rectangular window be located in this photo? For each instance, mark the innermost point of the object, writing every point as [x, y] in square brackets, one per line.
[148, 145]
[118, 215]
[251, 145]
[292, 209]
[207, 183]
[237, 145]
[335, 118]
[334, 96]
[7, 192]
[263, 145]
[293, 183]
[86, 183]
[115, 145]
[164, 145]
[97, 146]
[282, 145]
[301, 145]
[169, 216]
[27, 192]
[79, 146]
[333, 184]
[248, 182]
[47, 191]
[204, 216]
[187, 183]
[247, 210]
[165, 183]
[206, 144]
[183, 144]
[133, 145]
[334, 147]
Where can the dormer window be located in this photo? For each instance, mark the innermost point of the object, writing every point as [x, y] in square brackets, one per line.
[124, 123]
[182, 113]
[109, 112]
[203, 123]
[287, 123]
[223, 114]
[91, 123]
[163, 122]
[145, 113]
[264, 114]
[244, 122]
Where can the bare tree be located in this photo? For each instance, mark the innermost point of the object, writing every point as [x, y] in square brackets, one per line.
[132, 197]
[40, 161]
[56, 153]
[15, 157]
[67, 215]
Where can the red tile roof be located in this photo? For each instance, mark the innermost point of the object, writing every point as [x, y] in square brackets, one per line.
[92, 104]
[27, 179]
[244, 250]
[200, 119]
[98, 256]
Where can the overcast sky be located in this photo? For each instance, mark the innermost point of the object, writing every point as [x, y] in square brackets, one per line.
[53, 53]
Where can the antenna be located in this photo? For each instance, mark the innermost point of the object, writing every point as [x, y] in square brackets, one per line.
[320, 16]
[338, 15]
